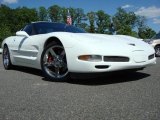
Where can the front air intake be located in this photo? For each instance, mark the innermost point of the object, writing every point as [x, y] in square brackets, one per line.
[116, 59]
[101, 66]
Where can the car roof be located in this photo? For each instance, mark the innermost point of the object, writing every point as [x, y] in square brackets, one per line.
[46, 22]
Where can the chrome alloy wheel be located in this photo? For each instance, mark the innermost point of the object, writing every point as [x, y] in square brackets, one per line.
[54, 62]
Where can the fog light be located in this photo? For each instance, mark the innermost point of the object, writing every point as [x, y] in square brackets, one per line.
[92, 58]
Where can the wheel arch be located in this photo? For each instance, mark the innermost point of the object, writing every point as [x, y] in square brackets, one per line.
[52, 40]
[57, 41]
[5, 44]
[157, 45]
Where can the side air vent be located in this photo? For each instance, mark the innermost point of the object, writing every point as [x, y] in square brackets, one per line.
[150, 57]
[116, 59]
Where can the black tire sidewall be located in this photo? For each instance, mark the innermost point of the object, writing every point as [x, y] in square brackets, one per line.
[10, 64]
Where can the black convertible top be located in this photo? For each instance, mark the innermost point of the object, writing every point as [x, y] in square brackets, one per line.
[41, 27]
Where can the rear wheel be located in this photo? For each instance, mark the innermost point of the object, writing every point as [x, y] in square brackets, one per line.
[157, 50]
[6, 58]
[54, 63]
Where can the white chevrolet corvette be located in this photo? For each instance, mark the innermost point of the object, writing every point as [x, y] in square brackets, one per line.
[59, 49]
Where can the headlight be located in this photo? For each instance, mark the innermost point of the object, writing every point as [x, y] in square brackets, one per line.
[92, 58]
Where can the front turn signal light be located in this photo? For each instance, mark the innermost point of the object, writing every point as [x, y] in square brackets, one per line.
[92, 58]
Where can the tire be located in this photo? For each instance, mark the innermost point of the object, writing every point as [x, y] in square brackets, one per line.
[54, 63]
[157, 51]
[6, 58]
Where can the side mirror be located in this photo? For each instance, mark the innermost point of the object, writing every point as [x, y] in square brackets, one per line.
[22, 33]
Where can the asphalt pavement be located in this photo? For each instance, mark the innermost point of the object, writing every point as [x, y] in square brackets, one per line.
[26, 95]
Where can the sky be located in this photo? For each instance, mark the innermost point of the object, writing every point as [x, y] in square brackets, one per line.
[148, 8]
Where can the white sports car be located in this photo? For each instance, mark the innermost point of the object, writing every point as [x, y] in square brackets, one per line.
[59, 49]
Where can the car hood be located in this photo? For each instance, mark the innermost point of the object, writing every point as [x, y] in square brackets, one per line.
[111, 41]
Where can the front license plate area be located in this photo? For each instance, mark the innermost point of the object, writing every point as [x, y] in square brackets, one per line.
[139, 56]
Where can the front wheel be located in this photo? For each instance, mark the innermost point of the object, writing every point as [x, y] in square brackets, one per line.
[157, 50]
[54, 63]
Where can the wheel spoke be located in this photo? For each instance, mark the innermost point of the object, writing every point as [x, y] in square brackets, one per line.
[64, 65]
[47, 64]
[158, 51]
[62, 53]
[52, 52]
[57, 72]
[45, 58]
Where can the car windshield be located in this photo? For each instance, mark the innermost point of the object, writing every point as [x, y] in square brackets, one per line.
[157, 36]
[46, 27]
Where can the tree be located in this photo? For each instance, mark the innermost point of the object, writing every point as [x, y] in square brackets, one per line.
[64, 14]
[124, 22]
[103, 21]
[141, 21]
[42, 14]
[24, 16]
[84, 26]
[5, 22]
[146, 33]
[91, 17]
[6, 16]
[4, 32]
[80, 16]
[55, 13]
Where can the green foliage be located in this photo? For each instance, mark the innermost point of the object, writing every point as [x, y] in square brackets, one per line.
[84, 26]
[64, 15]
[141, 22]
[146, 33]
[103, 21]
[12, 20]
[91, 17]
[42, 14]
[5, 22]
[124, 22]
[4, 32]
[80, 16]
[55, 13]
[23, 16]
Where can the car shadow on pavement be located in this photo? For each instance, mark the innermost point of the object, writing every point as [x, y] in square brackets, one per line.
[93, 79]
[109, 78]
[32, 71]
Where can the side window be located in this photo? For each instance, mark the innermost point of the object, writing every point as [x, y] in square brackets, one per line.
[28, 29]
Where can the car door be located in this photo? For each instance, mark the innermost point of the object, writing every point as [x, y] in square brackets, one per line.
[26, 49]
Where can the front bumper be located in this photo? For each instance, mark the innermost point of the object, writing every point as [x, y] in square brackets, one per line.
[137, 59]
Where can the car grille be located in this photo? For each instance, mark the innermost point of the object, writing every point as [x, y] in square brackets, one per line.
[116, 59]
